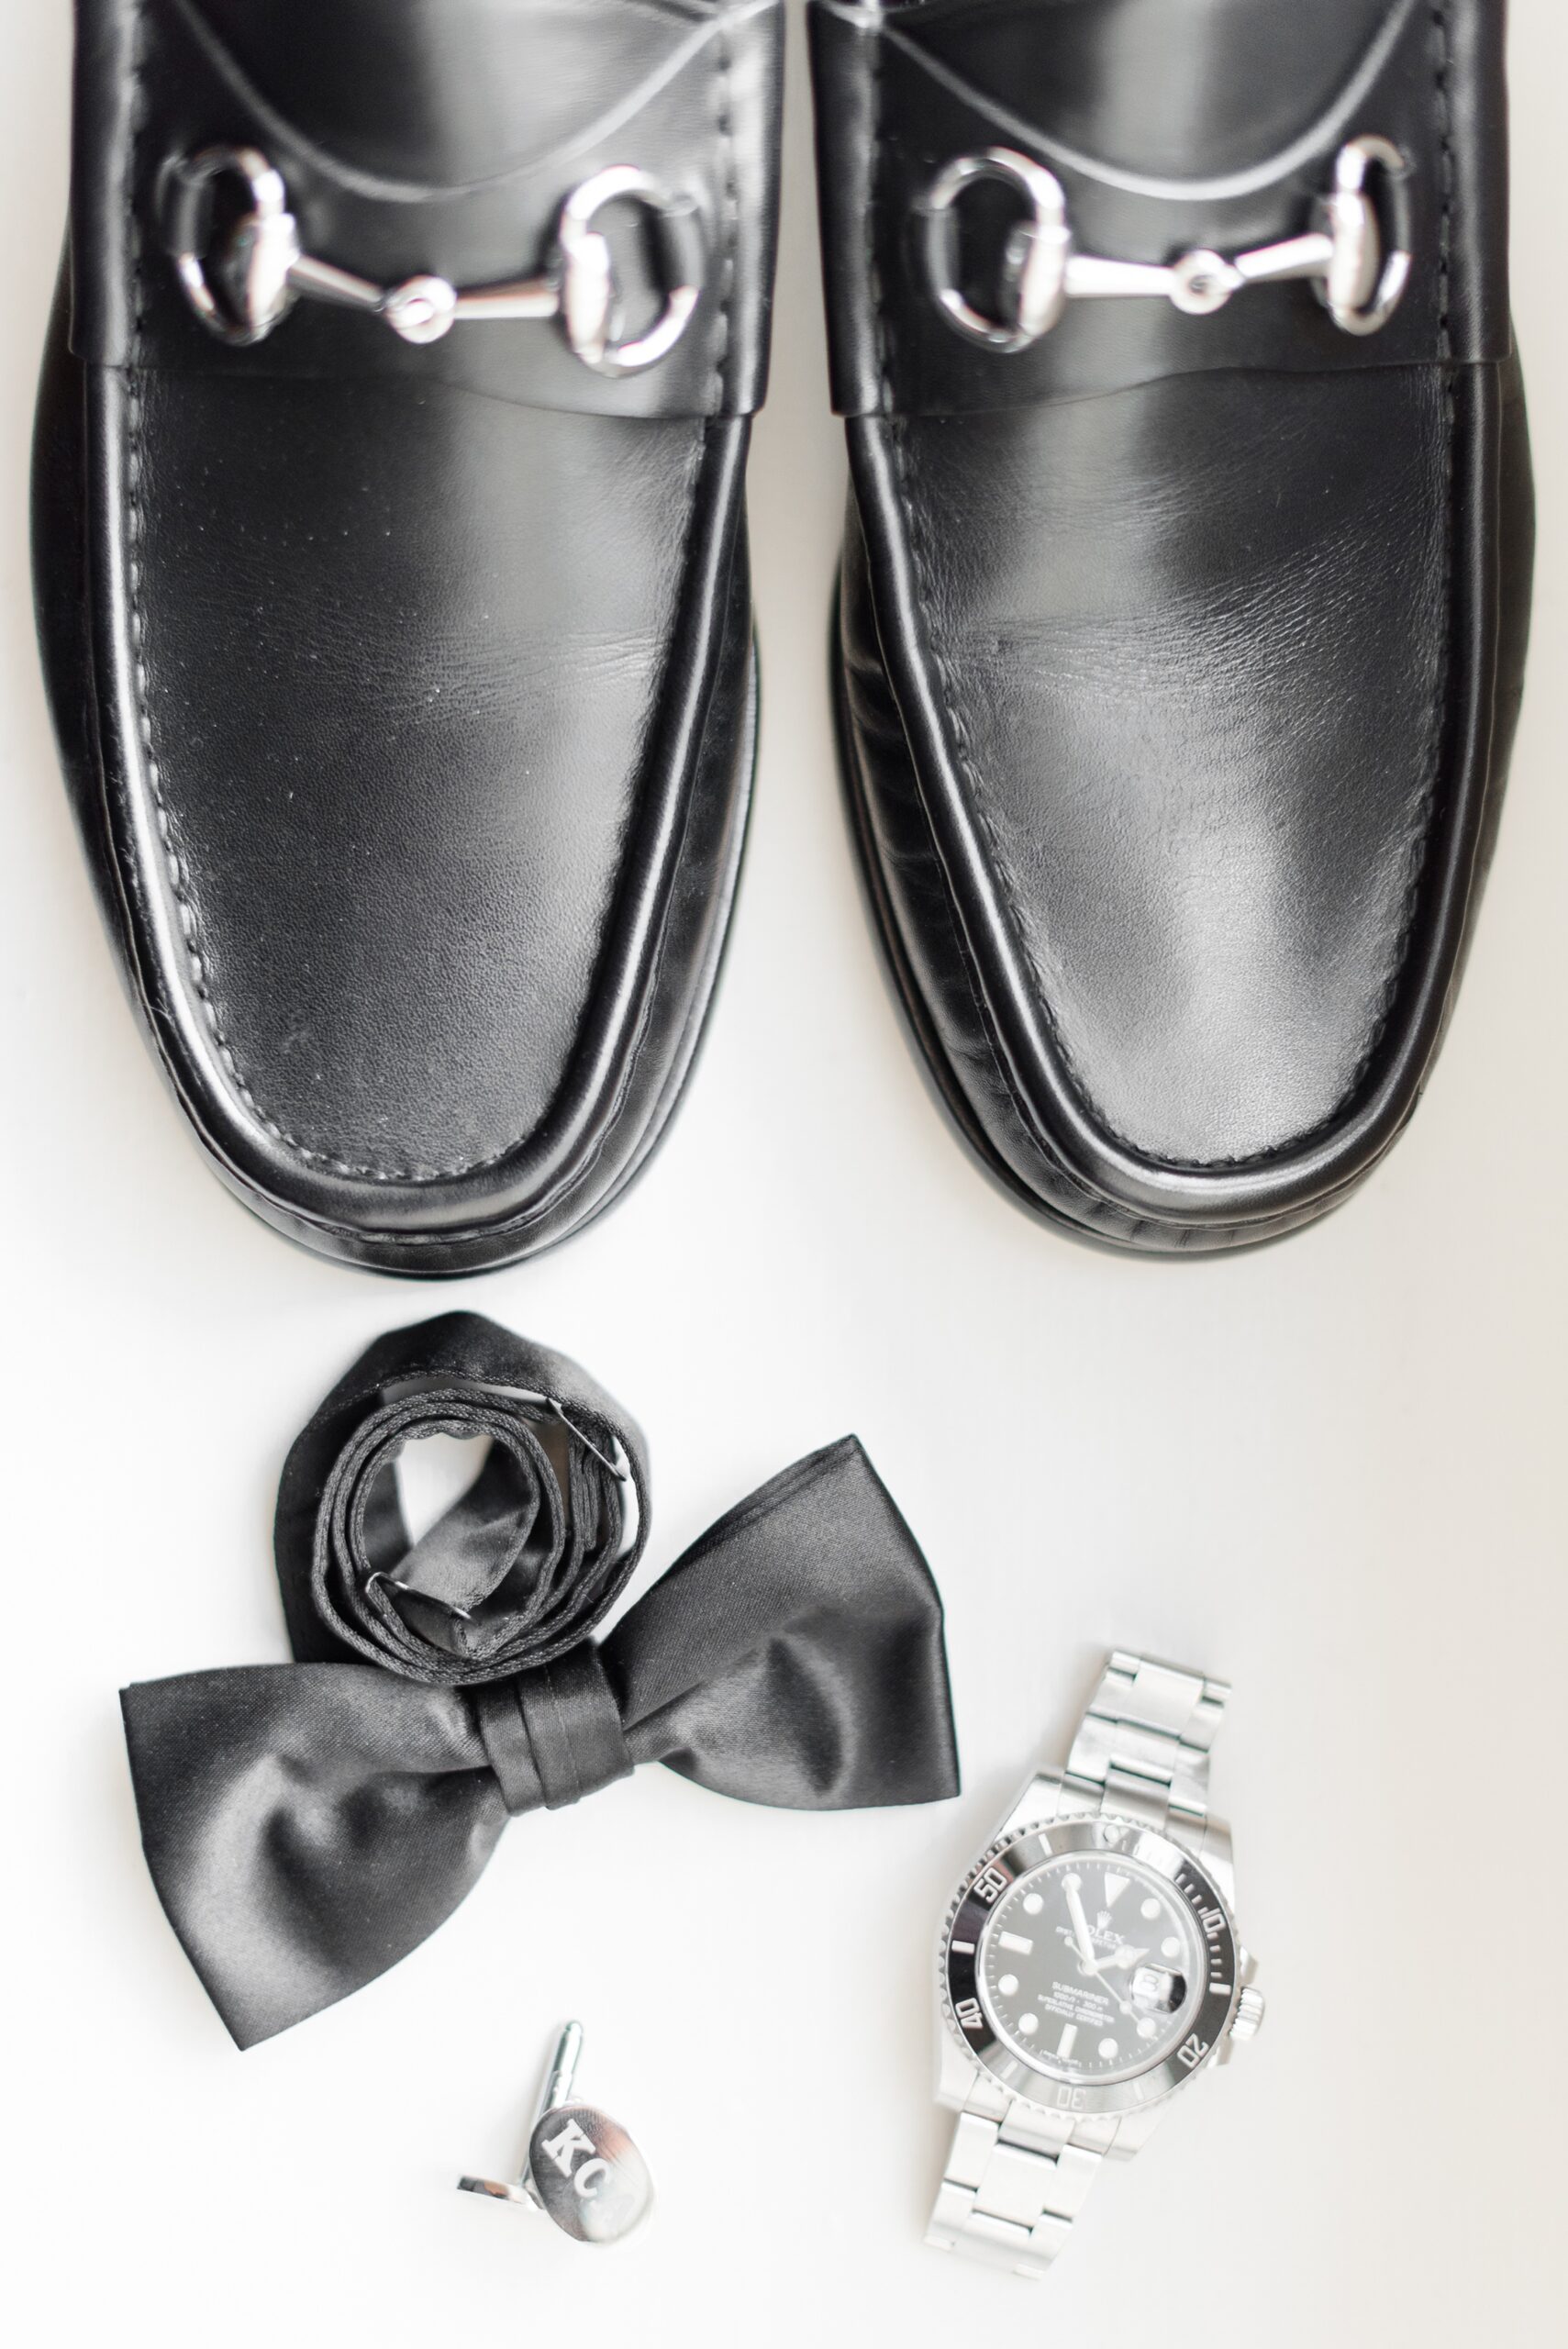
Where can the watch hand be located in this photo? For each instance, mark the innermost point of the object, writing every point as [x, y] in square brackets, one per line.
[1080, 1925]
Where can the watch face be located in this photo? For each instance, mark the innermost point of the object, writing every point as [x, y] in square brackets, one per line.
[1090, 1967]
[1090, 1964]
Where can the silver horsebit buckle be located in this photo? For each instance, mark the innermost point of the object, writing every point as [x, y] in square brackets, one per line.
[1358, 269]
[249, 284]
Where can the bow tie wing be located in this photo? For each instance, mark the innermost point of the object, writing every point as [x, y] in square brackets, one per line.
[305, 1826]
[794, 1655]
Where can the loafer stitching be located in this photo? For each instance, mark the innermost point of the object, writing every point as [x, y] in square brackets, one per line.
[1420, 826]
[135, 533]
[1103, 1218]
[881, 324]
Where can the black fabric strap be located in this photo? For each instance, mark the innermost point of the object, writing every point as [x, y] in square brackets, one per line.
[543, 1544]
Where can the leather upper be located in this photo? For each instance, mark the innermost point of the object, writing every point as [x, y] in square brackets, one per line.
[1180, 652]
[417, 745]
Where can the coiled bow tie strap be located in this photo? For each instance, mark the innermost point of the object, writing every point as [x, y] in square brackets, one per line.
[308, 1824]
[518, 1571]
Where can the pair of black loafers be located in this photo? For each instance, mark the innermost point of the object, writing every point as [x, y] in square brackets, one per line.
[393, 575]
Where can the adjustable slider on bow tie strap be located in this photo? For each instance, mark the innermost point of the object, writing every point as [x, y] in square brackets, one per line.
[247, 285]
[583, 2170]
[1356, 255]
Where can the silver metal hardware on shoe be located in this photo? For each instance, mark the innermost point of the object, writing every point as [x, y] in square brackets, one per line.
[1356, 255]
[583, 2170]
[248, 286]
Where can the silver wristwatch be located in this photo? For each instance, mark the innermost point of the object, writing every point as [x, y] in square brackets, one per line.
[1090, 1966]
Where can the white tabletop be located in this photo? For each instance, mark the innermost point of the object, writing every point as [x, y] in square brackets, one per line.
[1330, 1471]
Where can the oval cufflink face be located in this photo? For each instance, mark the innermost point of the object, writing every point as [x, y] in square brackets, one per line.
[588, 2176]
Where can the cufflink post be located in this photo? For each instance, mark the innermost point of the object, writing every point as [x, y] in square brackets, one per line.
[560, 2072]
[557, 2087]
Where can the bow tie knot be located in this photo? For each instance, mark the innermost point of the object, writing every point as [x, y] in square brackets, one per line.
[554, 1734]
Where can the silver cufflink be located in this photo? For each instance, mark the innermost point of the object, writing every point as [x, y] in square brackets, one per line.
[582, 2170]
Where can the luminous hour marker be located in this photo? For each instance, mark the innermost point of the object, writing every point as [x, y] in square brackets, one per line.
[1007, 1985]
[1170, 1946]
[1018, 1943]
[1150, 1909]
[1107, 2049]
[1114, 1886]
[964, 1949]
[1064, 2044]
[1028, 2025]
[1147, 2027]
[1033, 1904]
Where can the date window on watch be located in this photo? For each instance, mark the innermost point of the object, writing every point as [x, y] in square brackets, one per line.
[1157, 1991]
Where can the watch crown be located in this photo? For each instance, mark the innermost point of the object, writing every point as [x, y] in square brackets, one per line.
[1248, 2020]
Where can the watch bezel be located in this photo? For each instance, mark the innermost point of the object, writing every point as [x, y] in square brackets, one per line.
[1017, 1853]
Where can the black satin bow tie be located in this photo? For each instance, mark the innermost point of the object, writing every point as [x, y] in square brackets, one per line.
[308, 1824]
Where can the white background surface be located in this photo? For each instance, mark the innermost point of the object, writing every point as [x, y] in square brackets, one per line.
[1331, 1471]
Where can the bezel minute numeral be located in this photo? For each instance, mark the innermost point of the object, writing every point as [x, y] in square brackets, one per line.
[1027, 2072]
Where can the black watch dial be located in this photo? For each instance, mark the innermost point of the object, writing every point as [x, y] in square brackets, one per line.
[1091, 1968]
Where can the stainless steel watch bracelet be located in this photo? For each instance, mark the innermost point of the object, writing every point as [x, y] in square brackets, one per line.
[1142, 1747]
[1013, 2186]
[1019, 2174]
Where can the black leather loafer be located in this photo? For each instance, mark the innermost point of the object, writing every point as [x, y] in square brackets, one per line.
[393, 583]
[1186, 575]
